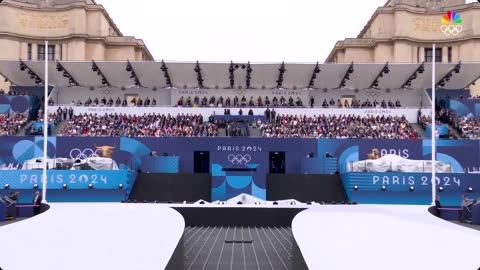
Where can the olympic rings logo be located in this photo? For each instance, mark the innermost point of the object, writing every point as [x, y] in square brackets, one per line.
[451, 30]
[76, 153]
[373, 94]
[239, 159]
[240, 92]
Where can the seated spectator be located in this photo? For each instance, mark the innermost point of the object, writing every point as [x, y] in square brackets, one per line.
[299, 102]
[204, 102]
[324, 103]
[118, 102]
[275, 101]
[251, 103]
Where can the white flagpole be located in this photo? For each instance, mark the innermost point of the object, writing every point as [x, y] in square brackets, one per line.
[434, 130]
[45, 128]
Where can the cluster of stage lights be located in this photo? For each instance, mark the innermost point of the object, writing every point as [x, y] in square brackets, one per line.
[33, 75]
[411, 188]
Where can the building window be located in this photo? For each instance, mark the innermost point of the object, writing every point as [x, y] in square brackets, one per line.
[449, 54]
[29, 51]
[429, 55]
[51, 52]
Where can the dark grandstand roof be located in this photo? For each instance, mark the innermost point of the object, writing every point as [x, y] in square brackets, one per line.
[263, 75]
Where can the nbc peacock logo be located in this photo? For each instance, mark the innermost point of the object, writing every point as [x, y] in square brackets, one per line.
[451, 24]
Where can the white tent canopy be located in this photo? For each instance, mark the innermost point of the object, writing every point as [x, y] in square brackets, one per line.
[263, 75]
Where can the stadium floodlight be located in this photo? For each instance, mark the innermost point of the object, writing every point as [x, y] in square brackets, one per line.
[311, 84]
[280, 76]
[355, 188]
[470, 189]
[249, 76]
[66, 74]
[384, 188]
[408, 83]
[90, 186]
[412, 188]
[34, 76]
[6, 186]
[346, 77]
[440, 189]
[65, 186]
[120, 186]
[35, 186]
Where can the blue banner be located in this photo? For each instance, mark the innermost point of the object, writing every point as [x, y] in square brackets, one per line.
[26, 179]
[397, 187]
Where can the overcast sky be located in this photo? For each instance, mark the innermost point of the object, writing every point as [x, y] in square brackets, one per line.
[241, 30]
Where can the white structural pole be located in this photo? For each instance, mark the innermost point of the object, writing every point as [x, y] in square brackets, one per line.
[434, 130]
[45, 128]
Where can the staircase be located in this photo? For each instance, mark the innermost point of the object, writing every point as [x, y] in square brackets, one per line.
[420, 131]
[255, 132]
[24, 130]
[58, 128]
[455, 132]
[222, 132]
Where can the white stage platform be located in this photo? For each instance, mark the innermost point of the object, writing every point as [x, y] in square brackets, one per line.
[335, 237]
[383, 237]
[93, 237]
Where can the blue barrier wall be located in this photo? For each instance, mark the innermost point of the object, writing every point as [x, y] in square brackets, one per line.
[133, 153]
[105, 184]
[398, 187]
[26, 179]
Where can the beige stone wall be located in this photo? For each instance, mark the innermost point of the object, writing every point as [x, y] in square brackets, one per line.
[79, 31]
[399, 33]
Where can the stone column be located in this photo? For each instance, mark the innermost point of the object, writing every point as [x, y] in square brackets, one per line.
[455, 53]
[415, 54]
[34, 51]
[445, 54]
[58, 52]
[421, 54]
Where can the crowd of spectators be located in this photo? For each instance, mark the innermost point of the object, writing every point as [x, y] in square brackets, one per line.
[11, 123]
[239, 102]
[233, 128]
[467, 126]
[134, 102]
[37, 128]
[355, 103]
[339, 127]
[147, 125]
[14, 93]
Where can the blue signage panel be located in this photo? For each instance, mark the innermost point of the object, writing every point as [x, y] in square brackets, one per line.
[26, 179]
[397, 187]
